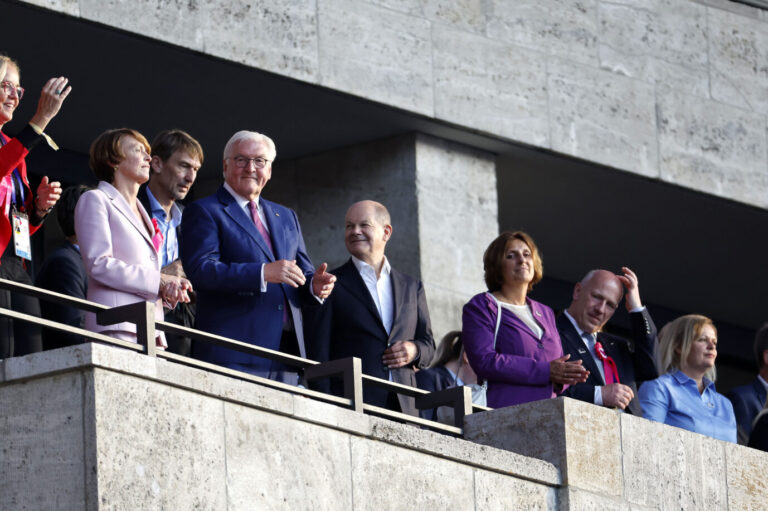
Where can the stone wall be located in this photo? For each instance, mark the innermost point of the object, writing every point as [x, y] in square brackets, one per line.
[96, 427]
[612, 460]
[676, 90]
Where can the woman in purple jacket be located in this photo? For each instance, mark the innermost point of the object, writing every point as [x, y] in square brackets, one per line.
[518, 352]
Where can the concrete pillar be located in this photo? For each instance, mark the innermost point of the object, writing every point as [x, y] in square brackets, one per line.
[442, 199]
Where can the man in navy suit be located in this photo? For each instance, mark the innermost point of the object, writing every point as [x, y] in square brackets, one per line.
[246, 259]
[375, 313]
[63, 272]
[595, 299]
[748, 400]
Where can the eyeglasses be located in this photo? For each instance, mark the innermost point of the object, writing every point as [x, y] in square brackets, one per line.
[8, 87]
[241, 162]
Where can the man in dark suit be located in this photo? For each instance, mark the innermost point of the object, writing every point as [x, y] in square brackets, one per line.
[749, 399]
[176, 158]
[63, 272]
[595, 299]
[376, 313]
[246, 259]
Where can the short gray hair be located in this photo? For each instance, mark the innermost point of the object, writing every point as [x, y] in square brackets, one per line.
[251, 135]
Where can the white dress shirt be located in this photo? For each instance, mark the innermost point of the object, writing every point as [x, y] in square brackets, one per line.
[380, 289]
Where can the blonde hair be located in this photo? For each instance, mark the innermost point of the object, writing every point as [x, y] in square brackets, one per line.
[680, 334]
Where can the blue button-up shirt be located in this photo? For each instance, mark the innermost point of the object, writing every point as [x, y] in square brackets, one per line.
[169, 250]
[674, 399]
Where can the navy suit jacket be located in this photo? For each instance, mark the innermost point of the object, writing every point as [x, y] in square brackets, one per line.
[747, 401]
[348, 324]
[222, 254]
[63, 272]
[635, 363]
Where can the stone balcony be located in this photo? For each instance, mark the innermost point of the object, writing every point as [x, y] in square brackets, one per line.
[97, 427]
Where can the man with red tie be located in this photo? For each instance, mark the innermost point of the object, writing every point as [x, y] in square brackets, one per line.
[247, 260]
[616, 367]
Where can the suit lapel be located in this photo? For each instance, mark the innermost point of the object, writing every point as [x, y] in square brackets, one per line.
[276, 231]
[241, 218]
[350, 278]
[121, 205]
[577, 345]
[398, 297]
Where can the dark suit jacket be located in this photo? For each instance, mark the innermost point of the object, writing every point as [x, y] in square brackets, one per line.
[758, 439]
[184, 313]
[747, 401]
[634, 362]
[63, 272]
[433, 380]
[348, 324]
[222, 253]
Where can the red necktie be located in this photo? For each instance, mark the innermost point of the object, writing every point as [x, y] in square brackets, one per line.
[609, 366]
[260, 225]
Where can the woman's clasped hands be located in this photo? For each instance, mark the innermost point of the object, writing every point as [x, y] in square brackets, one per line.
[174, 289]
[567, 373]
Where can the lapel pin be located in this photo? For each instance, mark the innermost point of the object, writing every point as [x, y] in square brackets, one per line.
[277, 214]
[538, 313]
[582, 350]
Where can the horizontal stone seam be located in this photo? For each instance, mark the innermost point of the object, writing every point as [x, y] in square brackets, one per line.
[475, 464]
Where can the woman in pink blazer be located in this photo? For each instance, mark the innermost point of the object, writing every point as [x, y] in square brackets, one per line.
[118, 241]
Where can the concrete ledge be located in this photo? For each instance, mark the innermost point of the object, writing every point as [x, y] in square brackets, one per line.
[612, 460]
[94, 426]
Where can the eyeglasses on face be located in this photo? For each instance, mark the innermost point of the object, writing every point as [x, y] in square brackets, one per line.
[242, 162]
[8, 88]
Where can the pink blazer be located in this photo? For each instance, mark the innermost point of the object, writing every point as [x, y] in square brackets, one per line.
[122, 264]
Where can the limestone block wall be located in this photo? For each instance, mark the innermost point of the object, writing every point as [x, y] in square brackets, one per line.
[96, 427]
[676, 90]
[612, 460]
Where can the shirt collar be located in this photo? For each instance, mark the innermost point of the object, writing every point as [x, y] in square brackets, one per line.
[242, 201]
[575, 324]
[683, 378]
[362, 266]
[157, 210]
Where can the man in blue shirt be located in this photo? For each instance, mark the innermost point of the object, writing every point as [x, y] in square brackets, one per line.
[749, 399]
[176, 158]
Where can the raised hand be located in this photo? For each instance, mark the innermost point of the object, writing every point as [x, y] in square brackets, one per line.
[322, 282]
[47, 195]
[54, 92]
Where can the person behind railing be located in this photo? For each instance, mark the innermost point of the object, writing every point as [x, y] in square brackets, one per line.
[247, 260]
[176, 158]
[616, 365]
[63, 272]
[758, 437]
[511, 340]
[684, 395]
[21, 209]
[449, 368]
[749, 399]
[118, 242]
[377, 313]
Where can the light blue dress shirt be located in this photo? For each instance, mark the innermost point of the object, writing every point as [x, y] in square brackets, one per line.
[674, 399]
[169, 250]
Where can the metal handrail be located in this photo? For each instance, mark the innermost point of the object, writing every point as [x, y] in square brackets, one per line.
[349, 370]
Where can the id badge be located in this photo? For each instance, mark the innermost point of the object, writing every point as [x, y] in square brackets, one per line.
[21, 235]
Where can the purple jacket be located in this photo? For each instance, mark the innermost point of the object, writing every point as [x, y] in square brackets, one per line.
[518, 370]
